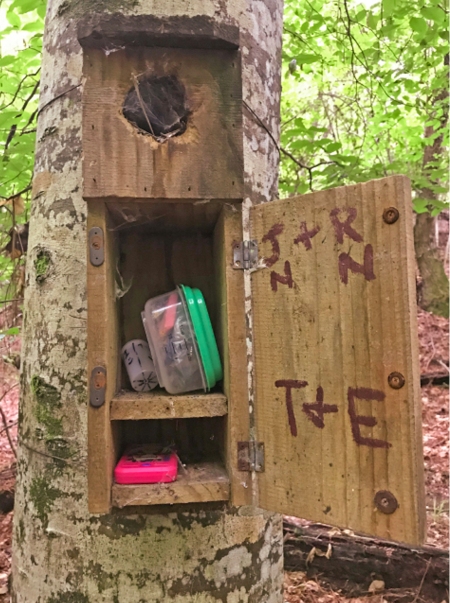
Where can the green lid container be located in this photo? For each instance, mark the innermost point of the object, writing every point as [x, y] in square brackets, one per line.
[204, 334]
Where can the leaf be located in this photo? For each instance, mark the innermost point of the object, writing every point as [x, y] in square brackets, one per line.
[334, 146]
[13, 19]
[419, 25]
[12, 331]
[420, 205]
[372, 20]
[306, 59]
[388, 7]
[376, 586]
[433, 13]
[33, 26]
[7, 60]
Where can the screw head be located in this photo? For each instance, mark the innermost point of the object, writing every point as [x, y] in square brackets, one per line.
[396, 380]
[385, 502]
[96, 242]
[391, 215]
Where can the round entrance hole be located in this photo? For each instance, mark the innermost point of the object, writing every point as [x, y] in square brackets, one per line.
[157, 105]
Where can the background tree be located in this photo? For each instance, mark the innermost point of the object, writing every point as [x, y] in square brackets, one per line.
[365, 95]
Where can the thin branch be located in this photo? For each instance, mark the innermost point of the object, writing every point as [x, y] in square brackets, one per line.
[262, 124]
[52, 100]
[141, 102]
[11, 197]
[18, 89]
[9, 426]
[30, 120]
[14, 126]
[5, 422]
[49, 456]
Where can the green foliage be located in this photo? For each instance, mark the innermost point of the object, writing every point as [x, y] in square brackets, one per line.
[361, 85]
[22, 25]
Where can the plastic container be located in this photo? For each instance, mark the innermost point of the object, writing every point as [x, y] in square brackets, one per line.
[182, 342]
[139, 364]
[146, 464]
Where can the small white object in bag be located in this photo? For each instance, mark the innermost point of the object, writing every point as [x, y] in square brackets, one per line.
[140, 368]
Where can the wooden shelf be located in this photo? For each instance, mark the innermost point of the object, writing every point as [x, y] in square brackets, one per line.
[200, 482]
[158, 404]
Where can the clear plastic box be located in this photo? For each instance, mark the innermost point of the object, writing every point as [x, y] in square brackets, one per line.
[182, 341]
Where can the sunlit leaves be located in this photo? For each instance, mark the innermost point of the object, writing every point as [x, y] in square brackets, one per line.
[365, 102]
[20, 58]
[419, 25]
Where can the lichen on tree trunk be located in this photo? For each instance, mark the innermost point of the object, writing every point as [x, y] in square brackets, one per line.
[61, 553]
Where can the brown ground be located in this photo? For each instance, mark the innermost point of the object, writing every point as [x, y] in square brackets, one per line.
[434, 358]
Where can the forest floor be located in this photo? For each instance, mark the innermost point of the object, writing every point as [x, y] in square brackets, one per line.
[434, 360]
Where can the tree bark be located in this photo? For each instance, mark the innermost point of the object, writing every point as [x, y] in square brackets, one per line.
[354, 562]
[433, 294]
[61, 553]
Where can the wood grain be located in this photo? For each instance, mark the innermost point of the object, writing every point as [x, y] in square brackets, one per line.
[158, 404]
[336, 328]
[231, 336]
[112, 31]
[202, 482]
[205, 162]
[103, 345]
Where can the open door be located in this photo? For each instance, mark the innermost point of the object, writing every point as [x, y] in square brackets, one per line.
[337, 381]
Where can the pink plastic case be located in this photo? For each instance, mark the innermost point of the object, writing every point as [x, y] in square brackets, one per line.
[146, 464]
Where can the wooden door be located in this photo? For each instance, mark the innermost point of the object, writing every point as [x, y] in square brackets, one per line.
[337, 387]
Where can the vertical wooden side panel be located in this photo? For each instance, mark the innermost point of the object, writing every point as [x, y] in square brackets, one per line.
[231, 337]
[334, 317]
[102, 351]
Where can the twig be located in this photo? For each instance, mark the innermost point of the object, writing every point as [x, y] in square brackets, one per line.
[18, 89]
[11, 197]
[13, 130]
[56, 98]
[5, 422]
[141, 102]
[6, 428]
[422, 581]
[262, 124]
[49, 456]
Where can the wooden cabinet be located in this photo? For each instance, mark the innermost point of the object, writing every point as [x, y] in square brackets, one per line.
[332, 430]
[142, 261]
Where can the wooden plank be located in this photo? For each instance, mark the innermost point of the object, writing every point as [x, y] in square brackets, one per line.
[202, 482]
[130, 405]
[231, 336]
[102, 345]
[113, 31]
[205, 162]
[334, 315]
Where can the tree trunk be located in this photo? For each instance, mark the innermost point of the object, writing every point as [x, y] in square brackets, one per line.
[61, 553]
[433, 295]
[354, 561]
[433, 287]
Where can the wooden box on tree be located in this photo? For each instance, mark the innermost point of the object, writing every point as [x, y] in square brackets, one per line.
[332, 432]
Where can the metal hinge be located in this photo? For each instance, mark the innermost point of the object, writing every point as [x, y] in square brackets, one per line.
[97, 386]
[96, 246]
[251, 456]
[245, 255]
